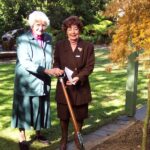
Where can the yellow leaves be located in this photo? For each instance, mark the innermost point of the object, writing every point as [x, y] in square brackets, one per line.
[132, 29]
[141, 34]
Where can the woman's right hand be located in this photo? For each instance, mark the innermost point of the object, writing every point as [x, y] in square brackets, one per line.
[54, 71]
[73, 81]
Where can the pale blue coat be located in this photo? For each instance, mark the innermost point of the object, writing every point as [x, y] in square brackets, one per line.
[31, 62]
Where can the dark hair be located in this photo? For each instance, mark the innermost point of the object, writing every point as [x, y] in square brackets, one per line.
[72, 20]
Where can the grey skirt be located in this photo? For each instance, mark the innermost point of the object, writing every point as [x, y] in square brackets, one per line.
[31, 111]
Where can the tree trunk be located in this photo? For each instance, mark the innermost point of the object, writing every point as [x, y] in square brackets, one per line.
[146, 122]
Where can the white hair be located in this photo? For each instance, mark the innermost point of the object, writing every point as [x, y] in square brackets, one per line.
[38, 16]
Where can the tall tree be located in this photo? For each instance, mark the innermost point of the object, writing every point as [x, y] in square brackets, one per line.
[132, 34]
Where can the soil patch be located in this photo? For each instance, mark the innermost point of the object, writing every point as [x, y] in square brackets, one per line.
[129, 139]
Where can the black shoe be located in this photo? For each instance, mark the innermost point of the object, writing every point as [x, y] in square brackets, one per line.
[24, 145]
[42, 139]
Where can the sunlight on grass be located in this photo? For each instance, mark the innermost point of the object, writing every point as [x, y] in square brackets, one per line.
[53, 83]
[86, 126]
[11, 133]
[7, 91]
[97, 120]
[115, 102]
[53, 104]
[99, 69]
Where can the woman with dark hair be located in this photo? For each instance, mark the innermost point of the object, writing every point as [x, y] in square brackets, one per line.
[78, 56]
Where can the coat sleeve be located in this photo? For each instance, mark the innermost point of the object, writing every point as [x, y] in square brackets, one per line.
[24, 56]
[89, 65]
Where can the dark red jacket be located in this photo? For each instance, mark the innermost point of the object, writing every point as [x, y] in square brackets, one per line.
[81, 61]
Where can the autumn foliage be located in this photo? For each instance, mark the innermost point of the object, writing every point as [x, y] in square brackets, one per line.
[132, 31]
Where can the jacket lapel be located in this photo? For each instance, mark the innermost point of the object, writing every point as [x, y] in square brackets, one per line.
[32, 40]
[46, 40]
[70, 54]
[73, 54]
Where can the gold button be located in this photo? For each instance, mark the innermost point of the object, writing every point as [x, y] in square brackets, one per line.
[75, 69]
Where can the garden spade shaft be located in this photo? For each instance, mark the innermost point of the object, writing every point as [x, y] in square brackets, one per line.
[76, 128]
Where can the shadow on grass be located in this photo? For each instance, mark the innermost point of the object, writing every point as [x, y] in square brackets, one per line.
[7, 144]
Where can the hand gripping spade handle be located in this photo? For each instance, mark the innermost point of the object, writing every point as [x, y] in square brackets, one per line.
[76, 128]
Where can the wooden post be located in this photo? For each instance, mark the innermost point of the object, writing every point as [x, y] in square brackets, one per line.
[146, 123]
[131, 85]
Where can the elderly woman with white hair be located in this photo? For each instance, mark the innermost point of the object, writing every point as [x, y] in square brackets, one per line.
[31, 101]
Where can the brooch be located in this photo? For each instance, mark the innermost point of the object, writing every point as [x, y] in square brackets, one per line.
[80, 49]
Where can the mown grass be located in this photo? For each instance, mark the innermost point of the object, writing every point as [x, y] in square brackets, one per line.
[108, 92]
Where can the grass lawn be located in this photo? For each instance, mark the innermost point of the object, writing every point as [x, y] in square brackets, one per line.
[108, 92]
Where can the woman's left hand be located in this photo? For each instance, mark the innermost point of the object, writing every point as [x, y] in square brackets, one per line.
[73, 81]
